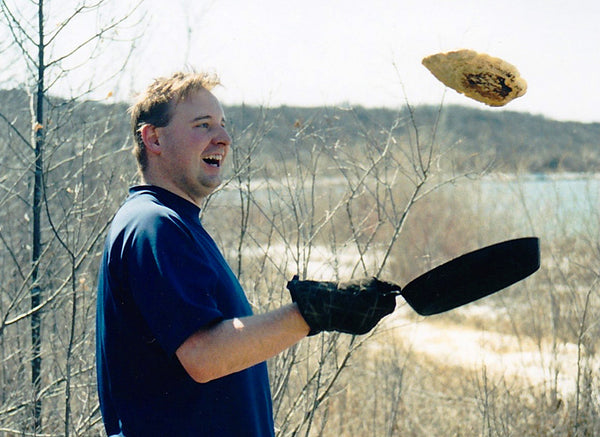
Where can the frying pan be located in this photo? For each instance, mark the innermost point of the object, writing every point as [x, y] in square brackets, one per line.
[473, 276]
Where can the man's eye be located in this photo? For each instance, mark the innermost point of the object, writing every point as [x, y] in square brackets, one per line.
[203, 125]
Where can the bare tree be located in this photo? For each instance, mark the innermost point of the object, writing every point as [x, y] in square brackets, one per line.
[324, 208]
[52, 165]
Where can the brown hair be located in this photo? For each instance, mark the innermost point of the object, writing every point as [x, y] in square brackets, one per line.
[155, 105]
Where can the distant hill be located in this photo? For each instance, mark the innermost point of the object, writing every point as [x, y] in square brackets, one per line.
[513, 140]
[516, 141]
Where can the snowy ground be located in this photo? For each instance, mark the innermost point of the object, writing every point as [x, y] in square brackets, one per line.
[518, 359]
[505, 356]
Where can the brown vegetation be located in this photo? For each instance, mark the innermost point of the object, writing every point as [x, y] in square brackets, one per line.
[325, 193]
[387, 202]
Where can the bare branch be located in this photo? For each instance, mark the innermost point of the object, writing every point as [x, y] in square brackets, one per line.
[18, 32]
[15, 130]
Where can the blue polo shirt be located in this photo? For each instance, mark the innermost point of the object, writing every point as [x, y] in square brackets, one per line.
[161, 279]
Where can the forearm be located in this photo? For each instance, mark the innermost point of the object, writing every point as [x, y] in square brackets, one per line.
[236, 344]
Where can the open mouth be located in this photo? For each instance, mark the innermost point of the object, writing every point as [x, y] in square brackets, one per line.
[213, 160]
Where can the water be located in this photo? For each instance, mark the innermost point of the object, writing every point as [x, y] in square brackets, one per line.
[558, 205]
[566, 204]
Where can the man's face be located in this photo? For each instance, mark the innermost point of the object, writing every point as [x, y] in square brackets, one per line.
[193, 147]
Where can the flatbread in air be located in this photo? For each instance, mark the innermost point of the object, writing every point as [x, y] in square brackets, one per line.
[481, 77]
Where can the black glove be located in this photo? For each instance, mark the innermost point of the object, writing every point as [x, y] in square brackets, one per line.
[353, 307]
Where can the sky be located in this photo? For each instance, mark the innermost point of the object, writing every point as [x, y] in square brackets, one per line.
[333, 52]
[368, 52]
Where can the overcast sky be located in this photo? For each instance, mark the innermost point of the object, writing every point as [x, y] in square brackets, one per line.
[367, 52]
[328, 52]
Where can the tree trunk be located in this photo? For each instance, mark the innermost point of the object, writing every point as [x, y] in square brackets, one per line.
[38, 134]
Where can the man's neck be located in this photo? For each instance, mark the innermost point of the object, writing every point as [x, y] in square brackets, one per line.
[169, 186]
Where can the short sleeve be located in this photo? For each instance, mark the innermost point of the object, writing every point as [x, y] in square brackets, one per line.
[171, 280]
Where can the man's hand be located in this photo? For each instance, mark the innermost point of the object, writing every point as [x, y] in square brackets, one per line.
[353, 307]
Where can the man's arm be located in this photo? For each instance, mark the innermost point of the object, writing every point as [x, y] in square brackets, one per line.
[236, 344]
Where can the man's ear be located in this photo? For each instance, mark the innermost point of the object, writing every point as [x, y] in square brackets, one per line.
[150, 138]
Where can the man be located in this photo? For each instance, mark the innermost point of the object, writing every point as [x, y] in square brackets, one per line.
[179, 352]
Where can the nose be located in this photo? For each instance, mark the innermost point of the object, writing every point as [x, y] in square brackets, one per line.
[222, 137]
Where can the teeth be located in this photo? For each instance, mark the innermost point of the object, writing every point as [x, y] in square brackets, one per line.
[214, 157]
[213, 160]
